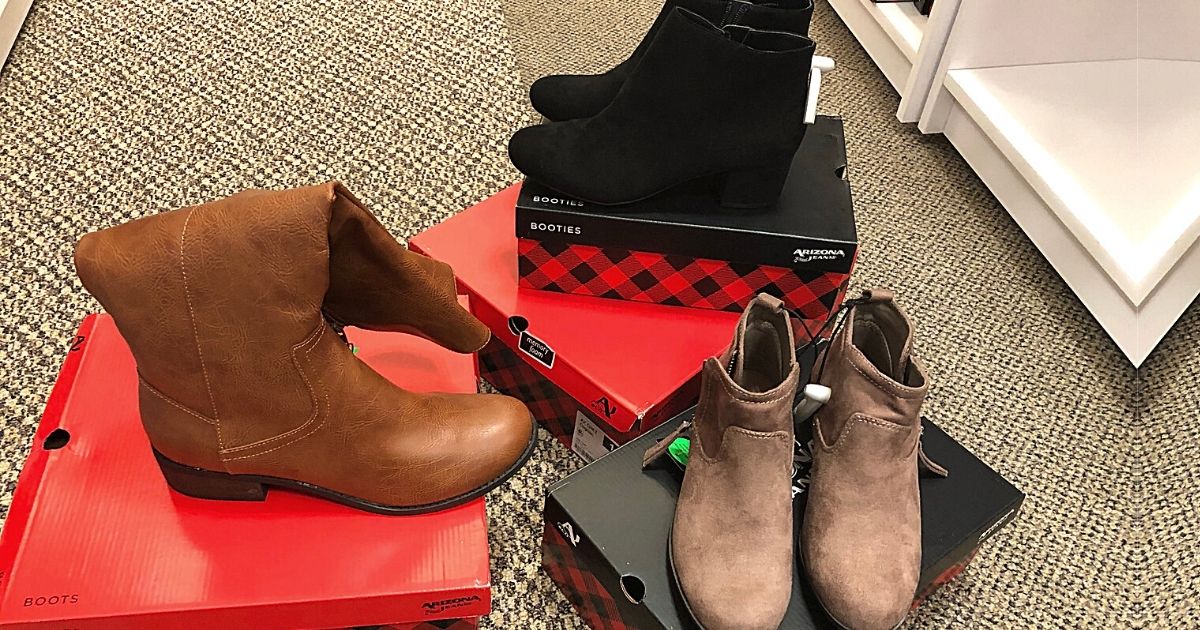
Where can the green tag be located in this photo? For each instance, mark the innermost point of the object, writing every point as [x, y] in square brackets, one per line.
[679, 449]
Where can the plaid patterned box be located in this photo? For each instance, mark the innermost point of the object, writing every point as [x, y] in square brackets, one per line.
[680, 248]
[623, 274]
[590, 598]
[597, 373]
[550, 405]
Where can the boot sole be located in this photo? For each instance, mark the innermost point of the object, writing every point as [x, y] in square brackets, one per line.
[678, 587]
[207, 484]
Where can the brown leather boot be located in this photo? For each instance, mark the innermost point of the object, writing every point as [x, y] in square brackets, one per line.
[731, 541]
[861, 539]
[245, 384]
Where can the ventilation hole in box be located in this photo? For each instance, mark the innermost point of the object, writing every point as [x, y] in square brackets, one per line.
[840, 172]
[517, 325]
[57, 439]
[633, 587]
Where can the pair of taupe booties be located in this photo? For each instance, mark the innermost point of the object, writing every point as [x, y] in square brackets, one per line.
[233, 311]
[731, 543]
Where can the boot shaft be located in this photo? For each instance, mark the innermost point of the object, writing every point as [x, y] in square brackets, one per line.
[215, 299]
[790, 16]
[742, 89]
[870, 369]
[378, 284]
[223, 304]
[752, 384]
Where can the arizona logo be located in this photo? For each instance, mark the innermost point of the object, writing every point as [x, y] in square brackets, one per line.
[809, 255]
[605, 407]
[455, 602]
[569, 531]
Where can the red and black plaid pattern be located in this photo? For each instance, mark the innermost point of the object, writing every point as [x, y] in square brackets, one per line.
[672, 280]
[589, 597]
[508, 373]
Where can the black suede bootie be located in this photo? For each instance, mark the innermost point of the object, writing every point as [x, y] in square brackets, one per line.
[568, 96]
[703, 102]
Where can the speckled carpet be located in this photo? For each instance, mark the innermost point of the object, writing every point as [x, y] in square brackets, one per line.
[113, 110]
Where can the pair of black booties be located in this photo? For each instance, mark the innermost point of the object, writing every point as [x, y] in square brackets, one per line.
[716, 89]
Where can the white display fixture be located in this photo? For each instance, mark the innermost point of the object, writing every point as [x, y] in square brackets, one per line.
[12, 16]
[1090, 147]
[903, 43]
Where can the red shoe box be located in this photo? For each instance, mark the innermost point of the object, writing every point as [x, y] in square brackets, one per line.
[595, 372]
[96, 540]
[681, 248]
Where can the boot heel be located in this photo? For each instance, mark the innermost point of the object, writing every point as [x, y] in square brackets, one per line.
[755, 188]
[206, 484]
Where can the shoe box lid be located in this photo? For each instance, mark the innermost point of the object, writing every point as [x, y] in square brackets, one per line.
[586, 546]
[96, 539]
[811, 227]
[633, 356]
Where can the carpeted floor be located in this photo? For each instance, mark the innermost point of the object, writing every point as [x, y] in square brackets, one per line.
[109, 112]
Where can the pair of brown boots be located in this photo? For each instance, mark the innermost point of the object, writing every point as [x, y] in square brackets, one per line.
[233, 311]
[732, 547]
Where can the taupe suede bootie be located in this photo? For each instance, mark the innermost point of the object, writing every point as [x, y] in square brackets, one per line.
[731, 541]
[861, 539]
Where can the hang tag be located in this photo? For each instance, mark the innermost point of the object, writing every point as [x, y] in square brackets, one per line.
[533, 347]
[820, 65]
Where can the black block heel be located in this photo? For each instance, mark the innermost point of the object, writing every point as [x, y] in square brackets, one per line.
[756, 188]
[207, 484]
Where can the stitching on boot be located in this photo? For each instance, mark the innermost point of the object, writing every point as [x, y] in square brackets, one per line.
[863, 418]
[759, 435]
[852, 354]
[742, 396]
[319, 332]
[150, 388]
[187, 296]
[316, 405]
[883, 385]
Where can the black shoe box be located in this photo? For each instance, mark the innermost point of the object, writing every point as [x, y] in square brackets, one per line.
[682, 248]
[607, 550]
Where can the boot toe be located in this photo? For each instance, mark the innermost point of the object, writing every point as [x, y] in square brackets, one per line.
[507, 430]
[528, 149]
[860, 604]
[734, 605]
[551, 98]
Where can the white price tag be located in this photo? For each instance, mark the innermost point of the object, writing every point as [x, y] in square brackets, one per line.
[588, 440]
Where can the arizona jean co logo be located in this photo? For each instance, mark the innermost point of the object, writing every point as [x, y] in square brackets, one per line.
[808, 255]
[605, 407]
[568, 531]
[447, 604]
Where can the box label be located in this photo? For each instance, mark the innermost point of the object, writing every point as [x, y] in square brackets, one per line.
[589, 441]
[535, 348]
